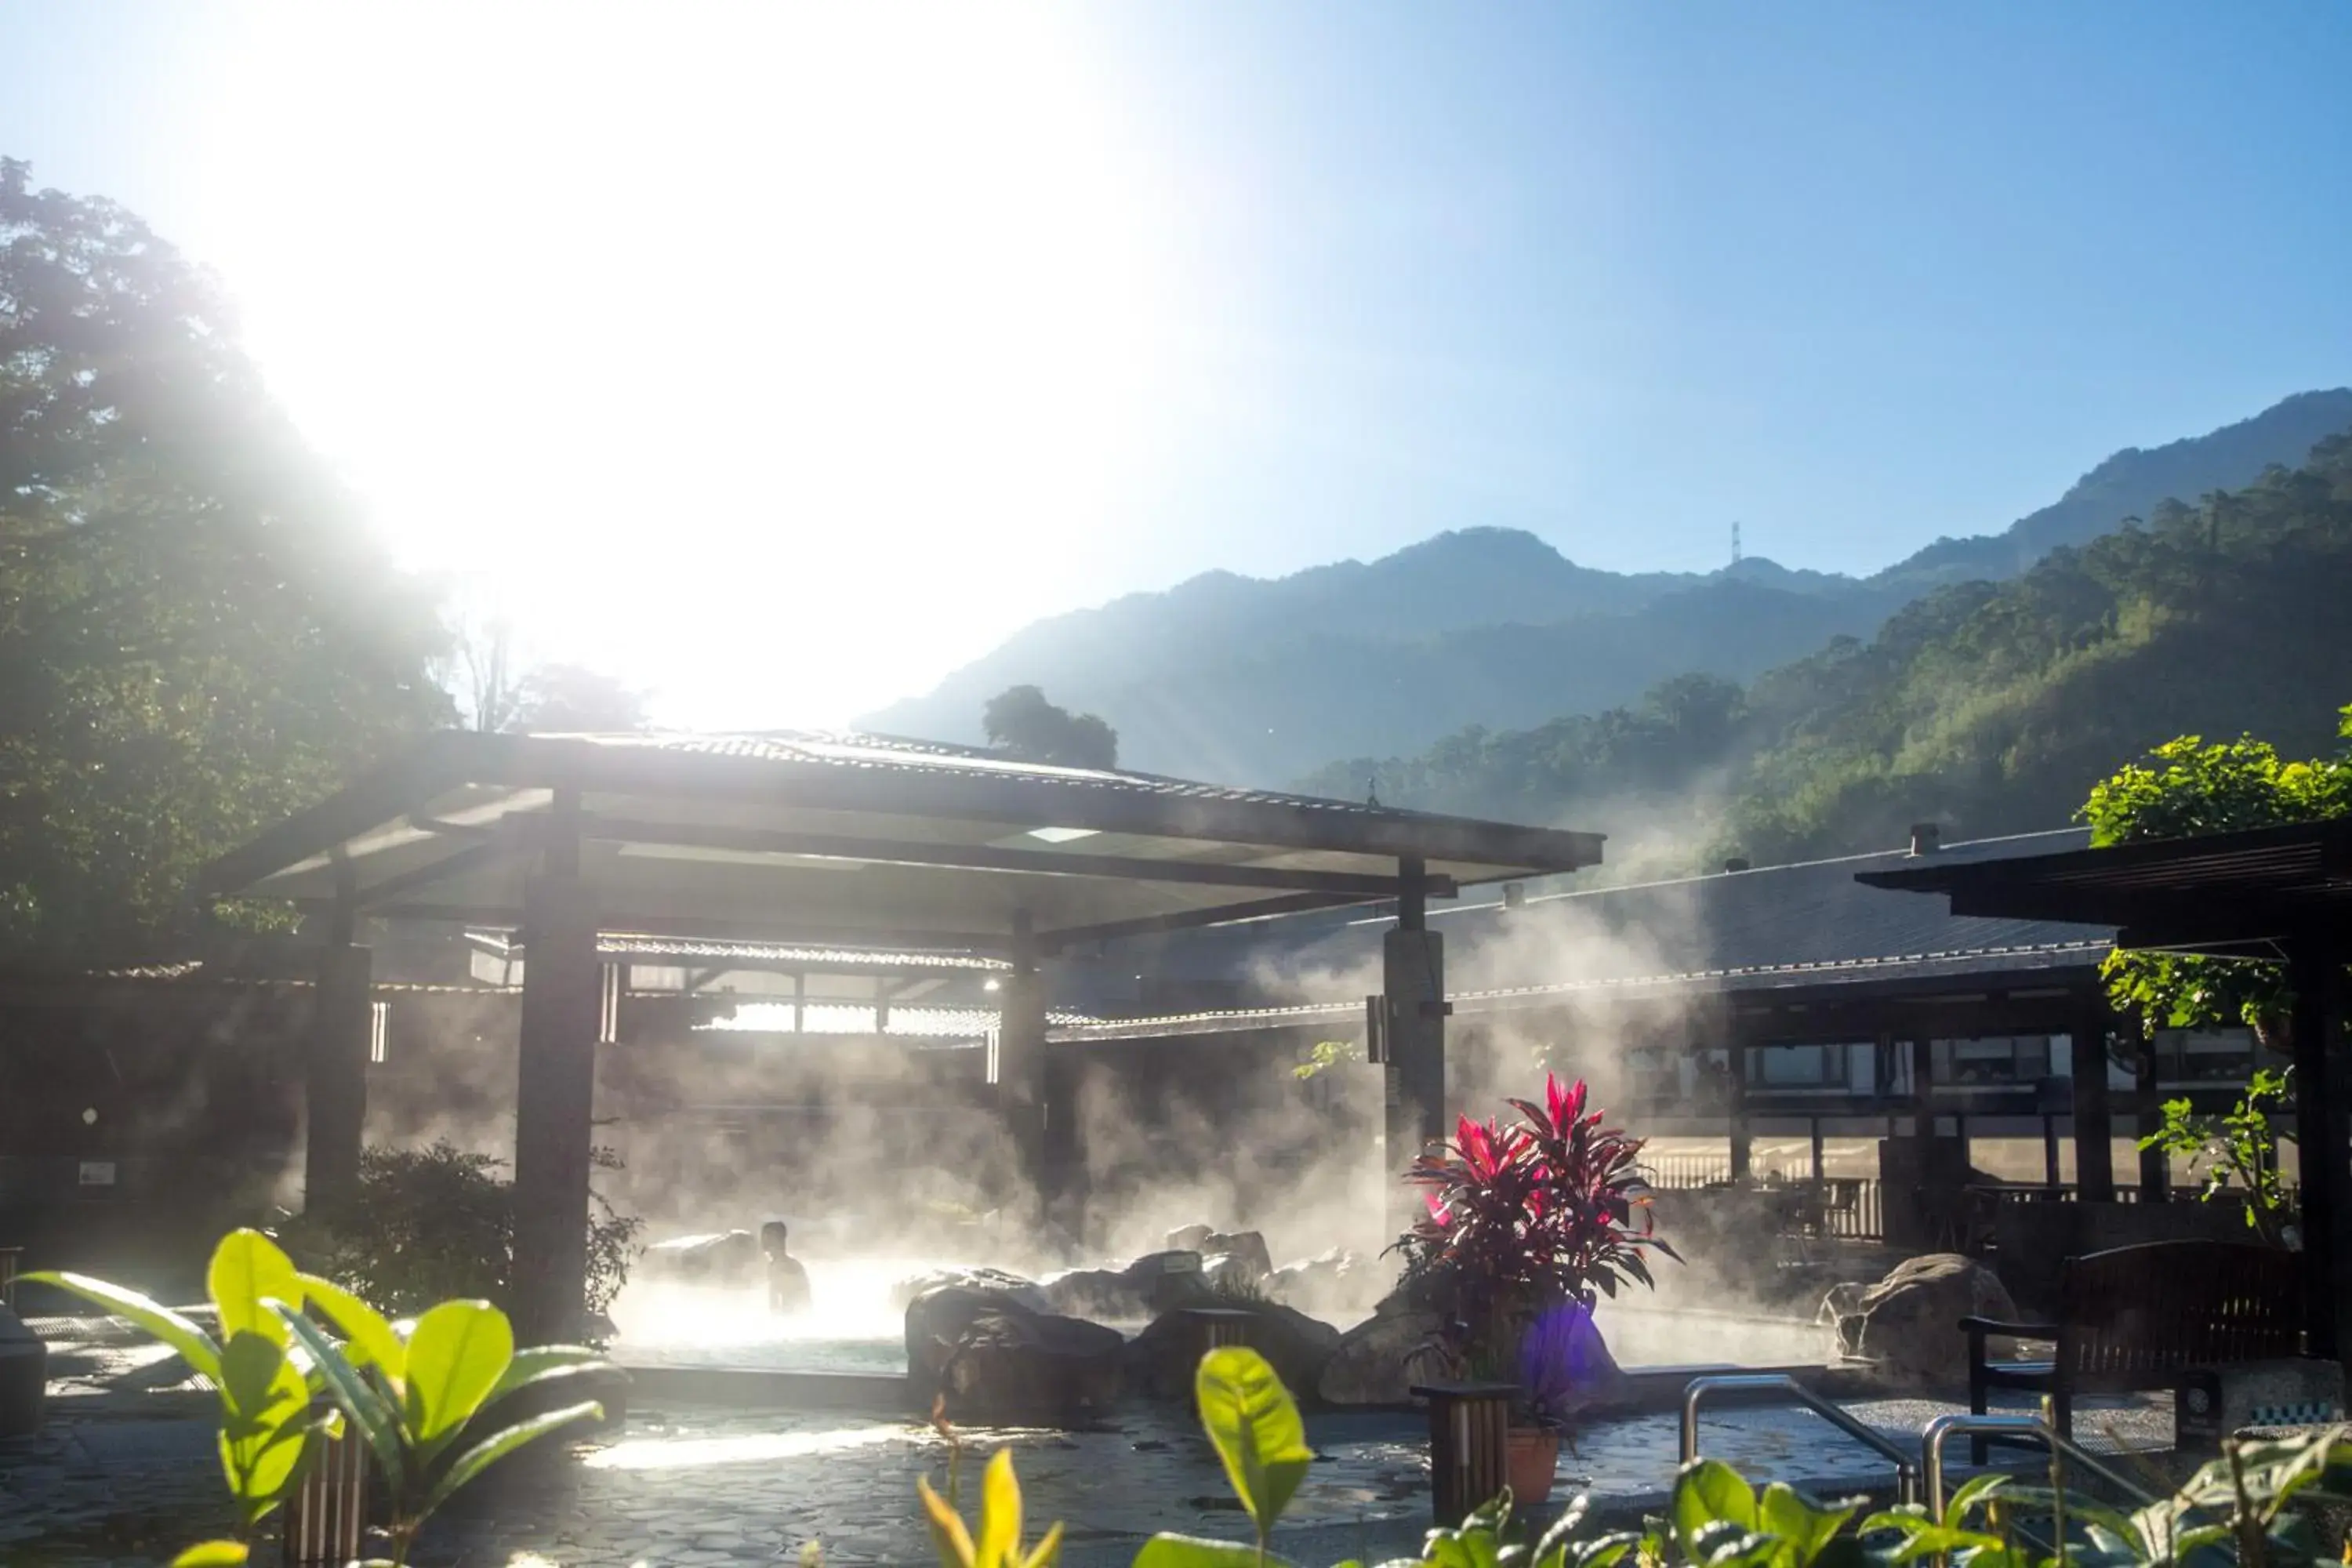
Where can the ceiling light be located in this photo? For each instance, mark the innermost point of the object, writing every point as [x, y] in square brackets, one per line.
[1062, 834]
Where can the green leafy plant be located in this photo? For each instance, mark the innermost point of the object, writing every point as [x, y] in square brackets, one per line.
[1325, 1055]
[2237, 1147]
[2187, 787]
[998, 1545]
[409, 1391]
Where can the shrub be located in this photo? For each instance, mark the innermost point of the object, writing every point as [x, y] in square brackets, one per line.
[428, 1224]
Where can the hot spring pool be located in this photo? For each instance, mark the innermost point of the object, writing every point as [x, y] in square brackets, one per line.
[853, 1327]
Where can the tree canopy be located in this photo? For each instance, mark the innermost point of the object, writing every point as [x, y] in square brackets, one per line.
[197, 633]
[2188, 786]
[1021, 723]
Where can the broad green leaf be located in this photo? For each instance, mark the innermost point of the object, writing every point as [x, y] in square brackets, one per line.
[1805, 1527]
[1606, 1552]
[498, 1445]
[456, 1355]
[248, 1268]
[1554, 1541]
[1000, 1511]
[1255, 1427]
[378, 1427]
[1975, 1490]
[1730, 1547]
[949, 1536]
[1709, 1491]
[212, 1554]
[368, 1339]
[195, 1347]
[538, 1363]
[1192, 1551]
[265, 1421]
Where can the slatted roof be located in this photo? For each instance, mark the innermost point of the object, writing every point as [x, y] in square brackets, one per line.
[852, 839]
[2235, 893]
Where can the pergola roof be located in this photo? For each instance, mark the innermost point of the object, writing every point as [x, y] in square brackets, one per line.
[2245, 894]
[808, 837]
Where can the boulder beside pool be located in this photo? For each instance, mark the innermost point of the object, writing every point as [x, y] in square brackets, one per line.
[994, 1362]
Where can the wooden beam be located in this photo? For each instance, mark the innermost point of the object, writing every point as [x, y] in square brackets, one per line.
[1189, 920]
[750, 928]
[471, 858]
[996, 857]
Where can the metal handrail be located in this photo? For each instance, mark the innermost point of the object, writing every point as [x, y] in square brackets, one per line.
[2033, 1427]
[1906, 1469]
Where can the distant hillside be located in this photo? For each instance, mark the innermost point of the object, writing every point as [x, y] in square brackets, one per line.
[1988, 708]
[1258, 681]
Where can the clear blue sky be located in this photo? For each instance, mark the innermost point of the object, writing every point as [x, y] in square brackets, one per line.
[1016, 310]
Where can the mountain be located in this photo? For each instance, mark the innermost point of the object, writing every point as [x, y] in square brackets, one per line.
[1988, 708]
[1253, 680]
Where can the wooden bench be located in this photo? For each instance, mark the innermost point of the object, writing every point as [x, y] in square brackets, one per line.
[2136, 1317]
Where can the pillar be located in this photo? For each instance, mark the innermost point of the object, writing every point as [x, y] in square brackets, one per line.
[335, 1075]
[555, 1088]
[1742, 1141]
[1413, 960]
[2095, 1129]
[2155, 1167]
[2324, 1149]
[1020, 1065]
[1063, 1152]
[1818, 1161]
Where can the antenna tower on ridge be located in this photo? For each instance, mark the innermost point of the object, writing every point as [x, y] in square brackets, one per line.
[1735, 544]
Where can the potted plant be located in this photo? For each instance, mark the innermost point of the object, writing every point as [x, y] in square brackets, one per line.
[1529, 1224]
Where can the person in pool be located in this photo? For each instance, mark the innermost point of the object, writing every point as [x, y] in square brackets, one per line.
[788, 1286]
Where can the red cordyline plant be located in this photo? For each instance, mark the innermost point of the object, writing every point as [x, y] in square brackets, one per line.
[1524, 1220]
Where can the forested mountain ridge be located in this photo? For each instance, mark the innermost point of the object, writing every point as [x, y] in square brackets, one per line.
[1990, 708]
[1258, 681]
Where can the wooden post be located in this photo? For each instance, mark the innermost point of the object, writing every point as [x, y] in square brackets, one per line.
[1021, 1060]
[2321, 1082]
[1820, 1162]
[2155, 1169]
[1412, 961]
[335, 1077]
[2094, 1128]
[555, 1089]
[1469, 1444]
[1742, 1143]
[327, 1515]
[2051, 1173]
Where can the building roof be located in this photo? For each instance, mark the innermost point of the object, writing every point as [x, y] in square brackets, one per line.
[851, 840]
[1770, 929]
[2247, 893]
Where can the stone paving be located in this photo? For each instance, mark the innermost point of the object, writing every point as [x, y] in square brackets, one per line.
[124, 1477]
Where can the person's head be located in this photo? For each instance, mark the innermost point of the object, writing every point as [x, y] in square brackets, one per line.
[771, 1236]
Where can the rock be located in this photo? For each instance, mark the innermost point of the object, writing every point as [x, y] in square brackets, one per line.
[24, 1377]
[726, 1257]
[997, 1363]
[1908, 1323]
[1327, 1285]
[1378, 1360]
[1025, 1292]
[1191, 1237]
[1232, 1278]
[1157, 1283]
[1162, 1359]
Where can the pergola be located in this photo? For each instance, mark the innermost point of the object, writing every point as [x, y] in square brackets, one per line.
[844, 840]
[2279, 893]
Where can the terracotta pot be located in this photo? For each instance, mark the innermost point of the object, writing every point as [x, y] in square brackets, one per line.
[1531, 1459]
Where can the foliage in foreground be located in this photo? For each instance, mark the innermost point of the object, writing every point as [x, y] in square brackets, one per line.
[2238, 1509]
[426, 1225]
[410, 1391]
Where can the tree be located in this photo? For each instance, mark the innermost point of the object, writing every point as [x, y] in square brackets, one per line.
[571, 698]
[2192, 788]
[197, 633]
[1021, 723]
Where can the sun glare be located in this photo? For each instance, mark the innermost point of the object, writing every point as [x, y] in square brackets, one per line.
[777, 357]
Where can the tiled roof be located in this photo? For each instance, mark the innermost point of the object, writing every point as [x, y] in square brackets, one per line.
[856, 749]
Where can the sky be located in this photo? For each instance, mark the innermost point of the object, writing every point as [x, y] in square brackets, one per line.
[778, 358]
